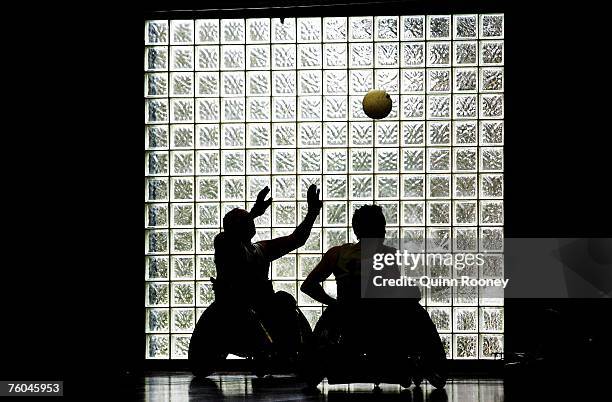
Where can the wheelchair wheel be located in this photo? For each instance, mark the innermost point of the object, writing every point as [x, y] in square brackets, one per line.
[207, 348]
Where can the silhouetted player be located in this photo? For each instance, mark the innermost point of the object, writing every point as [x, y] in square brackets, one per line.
[380, 322]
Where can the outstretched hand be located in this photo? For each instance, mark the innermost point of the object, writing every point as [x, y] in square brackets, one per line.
[261, 204]
[312, 196]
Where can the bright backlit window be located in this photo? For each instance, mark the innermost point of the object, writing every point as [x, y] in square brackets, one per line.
[233, 105]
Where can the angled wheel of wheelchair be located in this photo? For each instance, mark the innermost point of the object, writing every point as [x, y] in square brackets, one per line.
[207, 348]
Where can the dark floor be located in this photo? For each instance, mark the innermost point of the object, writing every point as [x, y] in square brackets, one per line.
[181, 386]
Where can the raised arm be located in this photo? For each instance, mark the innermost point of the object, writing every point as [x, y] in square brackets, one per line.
[312, 285]
[276, 248]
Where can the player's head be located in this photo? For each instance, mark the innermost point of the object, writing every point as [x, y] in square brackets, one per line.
[239, 224]
[369, 222]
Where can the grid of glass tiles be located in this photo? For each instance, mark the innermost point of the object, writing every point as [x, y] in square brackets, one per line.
[233, 105]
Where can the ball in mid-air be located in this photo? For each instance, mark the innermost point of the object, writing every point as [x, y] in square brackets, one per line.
[377, 104]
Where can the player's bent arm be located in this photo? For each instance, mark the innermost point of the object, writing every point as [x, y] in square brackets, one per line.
[312, 285]
[276, 248]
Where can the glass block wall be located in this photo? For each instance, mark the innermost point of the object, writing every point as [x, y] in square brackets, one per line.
[233, 105]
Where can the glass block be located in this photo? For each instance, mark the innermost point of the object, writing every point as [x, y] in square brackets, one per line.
[182, 241]
[413, 160]
[232, 31]
[180, 346]
[283, 31]
[309, 29]
[156, 110]
[491, 132]
[387, 160]
[258, 30]
[438, 106]
[157, 163]
[334, 187]
[309, 134]
[312, 314]
[465, 239]
[208, 215]
[181, 84]
[438, 213]
[465, 319]
[310, 108]
[391, 212]
[156, 84]
[413, 186]
[156, 58]
[158, 346]
[232, 188]
[335, 161]
[491, 159]
[492, 79]
[387, 27]
[491, 52]
[441, 317]
[356, 109]
[361, 28]
[283, 109]
[438, 133]
[335, 82]
[258, 162]
[182, 136]
[256, 184]
[361, 81]
[206, 267]
[387, 186]
[465, 26]
[302, 212]
[438, 80]
[182, 215]
[304, 182]
[183, 293]
[284, 267]
[491, 319]
[157, 267]
[413, 213]
[465, 159]
[491, 239]
[465, 53]
[157, 294]
[413, 107]
[491, 345]
[205, 294]
[438, 159]
[182, 163]
[233, 57]
[156, 32]
[157, 189]
[233, 109]
[283, 161]
[335, 134]
[387, 80]
[181, 58]
[491, 213]
[465, 133]
[438, 186]
[335, 214]
[232, 162]
[310, 56]
[156, 137]
[158, 320]
[182, 189]
[258, 109]
[207, 110]
[491, 106]
[335, 29]
[283, 135]
[413, 27]
[438, 54]
[284, 214]
[413, 54]
[206, 240]
[361, 133]
[183, 319]
[208, 162]
[284, 188]
[208, 58]
[335, 108]
[304, 299]
[258, 83]
[181, 32]
[438, 27]
[465, 186]
[465, 107]
[258, 57]
[465, 213]
[492, 26]
[284, 83]
[466, 80]
[181, 110]
[207, 31]
[361, 55]
[493, 266]
[309, 161]
[335, 55]
[387, 133]
[284, 57]
[310, 83]
[334, 237]
[362, 187]
[413, 133]
[387, 55]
